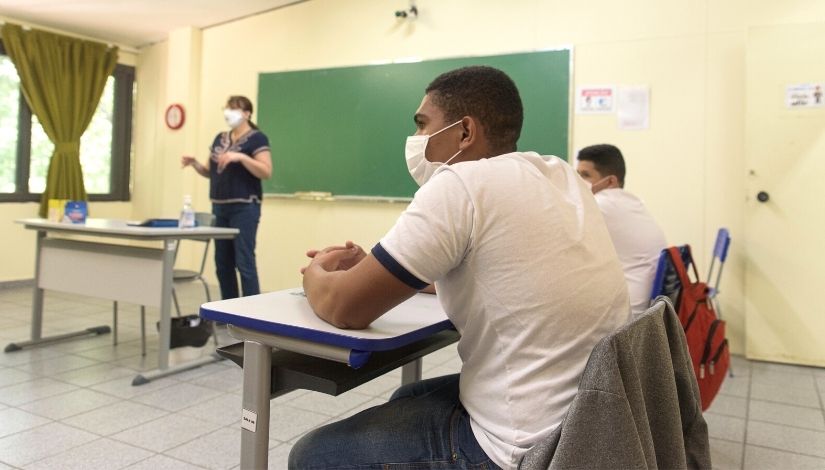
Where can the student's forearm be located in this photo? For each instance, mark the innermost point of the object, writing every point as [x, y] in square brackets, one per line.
[320, 289]
[355, 297]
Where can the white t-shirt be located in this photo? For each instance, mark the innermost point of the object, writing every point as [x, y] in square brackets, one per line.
[638, 241]
[525, 270]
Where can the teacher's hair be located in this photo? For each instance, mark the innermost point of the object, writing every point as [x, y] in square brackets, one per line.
[484, 93]
[242, 103]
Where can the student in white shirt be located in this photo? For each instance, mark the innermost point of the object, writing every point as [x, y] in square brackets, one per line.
[524, 269]
[636, 235]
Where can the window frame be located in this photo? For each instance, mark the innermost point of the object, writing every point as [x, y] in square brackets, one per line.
[121, 152]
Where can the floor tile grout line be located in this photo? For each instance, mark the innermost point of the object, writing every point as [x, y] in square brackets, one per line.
[792, 405]
[166, 456]
[792, 369]
[747, 420]
[731, 441]
[792, 426]
[762, 446]
[60, 453]
[819, 393]
[111, 436]
[783, 403]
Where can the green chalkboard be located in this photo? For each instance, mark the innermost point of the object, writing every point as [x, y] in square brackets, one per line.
[343, 130]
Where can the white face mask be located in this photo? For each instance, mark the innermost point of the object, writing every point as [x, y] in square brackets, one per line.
[594, 187]
[234, 117]
[419, 167]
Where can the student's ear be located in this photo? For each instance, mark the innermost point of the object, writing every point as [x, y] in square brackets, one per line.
[469, 132]
[614, 181]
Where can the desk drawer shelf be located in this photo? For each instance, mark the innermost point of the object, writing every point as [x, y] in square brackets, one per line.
[292, 370]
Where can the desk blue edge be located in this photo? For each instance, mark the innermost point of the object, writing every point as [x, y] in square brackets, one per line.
[334, 339]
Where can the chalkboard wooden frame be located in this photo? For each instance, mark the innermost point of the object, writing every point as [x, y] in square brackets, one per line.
[339, 133]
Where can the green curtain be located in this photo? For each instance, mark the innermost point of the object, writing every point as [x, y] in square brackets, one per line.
[62, 79]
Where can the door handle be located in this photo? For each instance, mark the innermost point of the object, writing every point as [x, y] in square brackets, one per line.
[763, 196]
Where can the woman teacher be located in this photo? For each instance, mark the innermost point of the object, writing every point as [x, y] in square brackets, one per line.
[239, 159]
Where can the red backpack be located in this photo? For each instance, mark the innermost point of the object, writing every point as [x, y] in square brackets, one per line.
[704, 331]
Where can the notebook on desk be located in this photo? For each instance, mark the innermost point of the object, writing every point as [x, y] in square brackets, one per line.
[155, 223]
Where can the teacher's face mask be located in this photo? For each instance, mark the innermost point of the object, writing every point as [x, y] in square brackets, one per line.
[419, 167]
[234, 117]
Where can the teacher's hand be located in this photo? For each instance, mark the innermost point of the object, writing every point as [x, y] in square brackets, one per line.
[187, 160]
[228, 157]
[347, 255]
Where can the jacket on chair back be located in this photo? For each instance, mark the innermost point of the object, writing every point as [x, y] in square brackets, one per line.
[637, 406]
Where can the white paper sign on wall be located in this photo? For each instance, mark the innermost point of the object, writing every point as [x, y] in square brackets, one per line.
[805, 95]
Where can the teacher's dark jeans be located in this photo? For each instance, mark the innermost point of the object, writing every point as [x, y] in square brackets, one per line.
[423, 426]
[239, 253]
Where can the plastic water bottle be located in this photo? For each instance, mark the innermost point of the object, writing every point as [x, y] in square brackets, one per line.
[187, 214]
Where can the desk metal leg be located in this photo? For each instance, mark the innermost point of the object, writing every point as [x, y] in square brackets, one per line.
[257, 375]
[37, 296]
[37, 338]
[411, 371]
[164, 333]
[169, 248]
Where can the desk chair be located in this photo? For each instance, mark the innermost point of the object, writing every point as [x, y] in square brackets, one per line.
[178, 275]
[186, 275]
[637, 406]
[666, 282]
[717, 260]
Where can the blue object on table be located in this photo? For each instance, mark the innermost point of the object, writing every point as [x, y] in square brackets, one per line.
[76, 212]
[156, 223]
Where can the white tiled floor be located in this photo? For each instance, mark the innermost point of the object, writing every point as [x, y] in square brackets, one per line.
[72, 405]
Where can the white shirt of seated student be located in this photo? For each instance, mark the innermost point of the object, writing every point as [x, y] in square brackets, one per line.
[638, 241]
[526, 271]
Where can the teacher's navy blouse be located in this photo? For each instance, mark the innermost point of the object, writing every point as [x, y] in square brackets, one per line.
[235, 183]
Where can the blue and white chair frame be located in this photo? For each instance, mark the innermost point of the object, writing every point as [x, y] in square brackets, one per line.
[720, 254]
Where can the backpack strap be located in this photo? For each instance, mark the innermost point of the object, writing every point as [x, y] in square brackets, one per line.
[679, 265]
[692, 263]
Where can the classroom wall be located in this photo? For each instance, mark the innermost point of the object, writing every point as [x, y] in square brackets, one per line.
[689, 166]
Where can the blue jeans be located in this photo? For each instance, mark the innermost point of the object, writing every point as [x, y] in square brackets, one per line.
[238, 253]
[422, 426]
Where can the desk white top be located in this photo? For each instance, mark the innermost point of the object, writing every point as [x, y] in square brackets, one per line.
[287, 313]
[121, 229]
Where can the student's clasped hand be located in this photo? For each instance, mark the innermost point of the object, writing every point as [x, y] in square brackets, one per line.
[337, 257]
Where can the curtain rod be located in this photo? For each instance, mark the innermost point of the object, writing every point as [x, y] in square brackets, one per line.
[24, 24]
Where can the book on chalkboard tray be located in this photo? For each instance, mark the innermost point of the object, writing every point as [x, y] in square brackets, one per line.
[155, 223]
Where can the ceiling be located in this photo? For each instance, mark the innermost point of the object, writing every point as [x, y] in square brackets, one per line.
[131, 23]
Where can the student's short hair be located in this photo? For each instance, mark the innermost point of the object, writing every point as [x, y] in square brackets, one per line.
[484, 93]
[606, 158]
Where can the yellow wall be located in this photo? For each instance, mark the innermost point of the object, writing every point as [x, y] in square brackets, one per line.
[688, 166]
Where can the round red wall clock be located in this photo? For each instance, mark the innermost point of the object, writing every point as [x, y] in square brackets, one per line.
[175, 116]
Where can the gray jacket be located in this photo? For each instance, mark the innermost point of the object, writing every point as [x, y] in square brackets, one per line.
[637, 407]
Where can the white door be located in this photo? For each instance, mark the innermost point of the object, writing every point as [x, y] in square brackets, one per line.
[785, 209]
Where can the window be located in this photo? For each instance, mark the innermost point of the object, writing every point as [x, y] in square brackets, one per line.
[105, 147]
